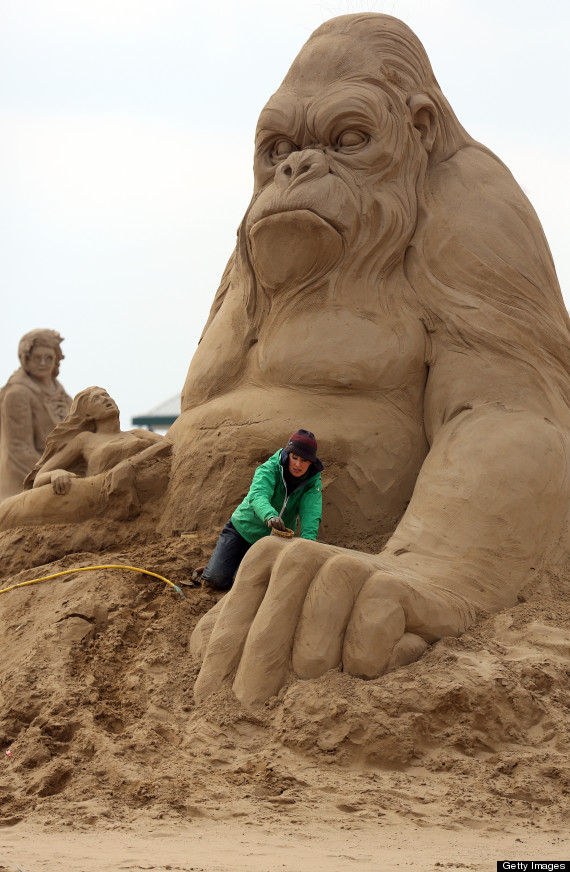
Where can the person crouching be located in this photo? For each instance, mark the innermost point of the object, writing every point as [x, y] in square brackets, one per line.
[285, 489]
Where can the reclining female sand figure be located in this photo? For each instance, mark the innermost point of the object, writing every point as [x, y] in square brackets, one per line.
[88, 461]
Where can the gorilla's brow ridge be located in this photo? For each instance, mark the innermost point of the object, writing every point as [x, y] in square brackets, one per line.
[285, 115]
[280, 117]
[360, 110]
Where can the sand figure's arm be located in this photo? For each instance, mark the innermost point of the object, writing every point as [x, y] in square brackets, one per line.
[218, 364]
[148, 436]
[58, 469]
[60, 479]
[487, 496]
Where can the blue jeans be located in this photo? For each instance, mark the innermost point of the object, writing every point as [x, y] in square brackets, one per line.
[223, 565]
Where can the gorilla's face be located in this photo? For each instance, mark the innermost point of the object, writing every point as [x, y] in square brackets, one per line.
[335, 171]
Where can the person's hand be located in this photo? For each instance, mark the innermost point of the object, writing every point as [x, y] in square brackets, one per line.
[276, 523]
[315, 607]
[61, 481]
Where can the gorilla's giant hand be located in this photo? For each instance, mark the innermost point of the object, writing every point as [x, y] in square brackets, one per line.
[318, 606]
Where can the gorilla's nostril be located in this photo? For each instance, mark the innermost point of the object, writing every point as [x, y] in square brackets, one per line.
[311, 165]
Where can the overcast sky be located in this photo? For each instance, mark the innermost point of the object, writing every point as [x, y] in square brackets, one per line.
[127, 146]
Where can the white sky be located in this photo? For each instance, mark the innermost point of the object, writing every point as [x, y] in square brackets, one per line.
[127, 147]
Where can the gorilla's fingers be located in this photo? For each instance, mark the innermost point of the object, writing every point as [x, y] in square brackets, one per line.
[236, 614]
[434, 611]
[409, 649]
[377, 623]
[325, 614]
[265, 661]
[203, 630]
[387, 607]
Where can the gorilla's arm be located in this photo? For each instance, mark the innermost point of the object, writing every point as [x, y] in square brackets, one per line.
[224, 343]
[483, 274]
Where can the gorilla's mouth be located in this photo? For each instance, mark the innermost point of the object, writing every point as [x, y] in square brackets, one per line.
[301, 216]
[291, 249]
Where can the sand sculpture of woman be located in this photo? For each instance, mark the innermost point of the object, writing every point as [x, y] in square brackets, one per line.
[87, 463]
[31, 403]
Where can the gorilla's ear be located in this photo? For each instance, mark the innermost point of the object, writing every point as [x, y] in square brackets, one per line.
[424, 119]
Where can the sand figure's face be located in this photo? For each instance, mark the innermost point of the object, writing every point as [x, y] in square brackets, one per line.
[336, 165]
[40, 363]
[101, 406]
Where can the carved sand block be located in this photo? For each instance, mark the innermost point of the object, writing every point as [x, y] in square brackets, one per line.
[90, 467]
[392, 290]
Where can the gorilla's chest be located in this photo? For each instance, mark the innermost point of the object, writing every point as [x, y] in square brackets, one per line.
[336, 349]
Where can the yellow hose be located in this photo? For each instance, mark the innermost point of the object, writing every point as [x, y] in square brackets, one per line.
[90, 568]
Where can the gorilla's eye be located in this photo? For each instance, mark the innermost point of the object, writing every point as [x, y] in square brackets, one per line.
[282, 149]
[350, 139]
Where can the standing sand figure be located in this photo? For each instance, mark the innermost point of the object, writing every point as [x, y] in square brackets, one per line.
[392, 285]
[31, 403]
[89, 467]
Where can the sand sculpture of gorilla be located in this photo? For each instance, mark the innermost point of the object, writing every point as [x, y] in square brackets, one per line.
[391, 290]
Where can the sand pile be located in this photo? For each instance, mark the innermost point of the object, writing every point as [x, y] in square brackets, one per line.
[99, 718]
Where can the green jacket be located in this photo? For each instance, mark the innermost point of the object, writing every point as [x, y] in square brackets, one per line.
[266, 497]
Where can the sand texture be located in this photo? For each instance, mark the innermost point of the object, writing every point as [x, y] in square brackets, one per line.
[464, 751]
